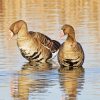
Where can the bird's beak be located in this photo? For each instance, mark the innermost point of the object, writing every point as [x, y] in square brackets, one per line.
[11, 35]
[61, 34]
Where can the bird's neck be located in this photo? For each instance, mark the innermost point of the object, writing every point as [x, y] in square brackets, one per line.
[23, 32]
[71, 37]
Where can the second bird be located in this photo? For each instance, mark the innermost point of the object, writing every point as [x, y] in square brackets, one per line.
[70, 54]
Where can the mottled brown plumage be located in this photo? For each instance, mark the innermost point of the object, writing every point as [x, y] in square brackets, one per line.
[34, 46]
[70, 54]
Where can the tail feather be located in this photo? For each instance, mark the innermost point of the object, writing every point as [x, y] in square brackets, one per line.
[55, 46]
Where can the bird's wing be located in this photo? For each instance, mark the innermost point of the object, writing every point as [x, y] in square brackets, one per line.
[53, 45]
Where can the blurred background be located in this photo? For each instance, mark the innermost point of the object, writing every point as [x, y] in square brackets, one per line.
[47, 17]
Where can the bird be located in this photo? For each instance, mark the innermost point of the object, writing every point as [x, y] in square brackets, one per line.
[70, 54]
[34, 46]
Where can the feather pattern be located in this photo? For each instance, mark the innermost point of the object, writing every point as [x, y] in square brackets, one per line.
[34, 46]
[53, 45]
[71, 53]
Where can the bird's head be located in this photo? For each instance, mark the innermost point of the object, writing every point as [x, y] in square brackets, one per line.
[15, 27]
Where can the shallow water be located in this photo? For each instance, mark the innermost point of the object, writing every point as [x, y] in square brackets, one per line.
[46, 82]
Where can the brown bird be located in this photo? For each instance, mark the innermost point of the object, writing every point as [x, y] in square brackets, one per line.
[70, 53]
[34, 46]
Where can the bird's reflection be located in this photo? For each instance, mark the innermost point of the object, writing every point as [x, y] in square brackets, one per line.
[35, 67]
[32, 78]
[71, 82]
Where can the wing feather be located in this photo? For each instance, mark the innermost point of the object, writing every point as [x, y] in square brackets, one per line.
[53, 45]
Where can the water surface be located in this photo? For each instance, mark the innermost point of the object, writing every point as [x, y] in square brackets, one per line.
[47, 83]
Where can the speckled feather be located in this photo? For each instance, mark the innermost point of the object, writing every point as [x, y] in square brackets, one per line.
[34, 46]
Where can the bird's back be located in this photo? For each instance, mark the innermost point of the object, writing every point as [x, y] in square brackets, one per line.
[53, 45]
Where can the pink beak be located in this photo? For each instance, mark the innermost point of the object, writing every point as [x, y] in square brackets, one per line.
[11, 35]
[61, 34]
